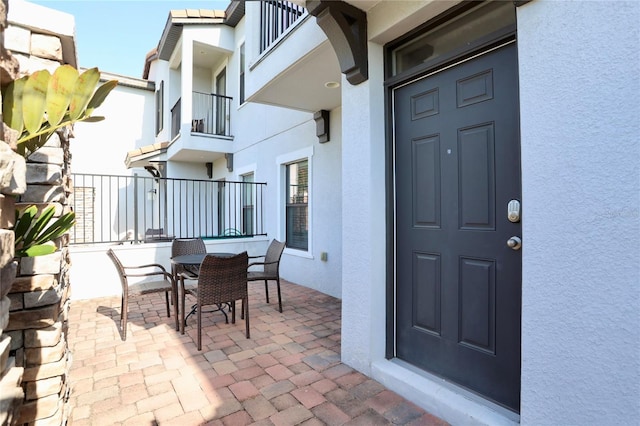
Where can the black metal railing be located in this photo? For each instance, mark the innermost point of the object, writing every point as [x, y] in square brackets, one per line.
[210, 114]
[276, 16]
[111, 209]
[175, 119]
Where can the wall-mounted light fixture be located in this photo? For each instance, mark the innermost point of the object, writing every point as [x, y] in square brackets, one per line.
[151, 194]
[229, 158]
[209, 169]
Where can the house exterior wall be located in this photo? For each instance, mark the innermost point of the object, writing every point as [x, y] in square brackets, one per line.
[581, 200]
[581, 189]
[580, 126]
[262, 136]
[100, 148]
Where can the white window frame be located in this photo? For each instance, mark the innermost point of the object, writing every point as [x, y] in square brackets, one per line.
[243, 171]
[282, 161]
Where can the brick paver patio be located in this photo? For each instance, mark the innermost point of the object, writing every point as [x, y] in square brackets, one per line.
[287, 373]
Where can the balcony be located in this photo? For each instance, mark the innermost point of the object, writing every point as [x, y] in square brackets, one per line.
[210, 115]
[207, 134]
[306, 61]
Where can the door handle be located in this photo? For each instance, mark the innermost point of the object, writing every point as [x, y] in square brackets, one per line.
[514, 242]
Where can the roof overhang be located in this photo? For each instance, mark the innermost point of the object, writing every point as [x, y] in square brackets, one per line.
[175, 22]
[147, 155]
[315, 77]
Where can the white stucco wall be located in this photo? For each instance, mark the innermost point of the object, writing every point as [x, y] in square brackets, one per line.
[579, 90]
[101, 148]
[363, 218]
[258, 148]
[94, 275]
[581, 199]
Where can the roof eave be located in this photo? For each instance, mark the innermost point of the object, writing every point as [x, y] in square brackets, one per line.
[173, 28]
[234, 12]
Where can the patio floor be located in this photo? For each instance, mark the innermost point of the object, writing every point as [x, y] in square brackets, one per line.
[288, 373]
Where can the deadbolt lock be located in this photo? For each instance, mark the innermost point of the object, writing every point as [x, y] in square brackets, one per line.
[513, 211]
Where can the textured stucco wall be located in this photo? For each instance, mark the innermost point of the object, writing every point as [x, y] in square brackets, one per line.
[363, 218]
[580, 116]
[101, 148]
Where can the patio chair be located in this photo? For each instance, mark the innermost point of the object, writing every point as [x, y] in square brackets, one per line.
[179, 247]
[270, 268]
[223, 280]
[165, 283]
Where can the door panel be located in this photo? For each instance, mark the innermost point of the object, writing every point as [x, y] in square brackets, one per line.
[458, 284]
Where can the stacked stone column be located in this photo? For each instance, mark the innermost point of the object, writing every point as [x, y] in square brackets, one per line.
[12, 183]
[40, 298]
[34, 291]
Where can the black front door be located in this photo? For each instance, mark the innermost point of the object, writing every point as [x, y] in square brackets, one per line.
[458, 283]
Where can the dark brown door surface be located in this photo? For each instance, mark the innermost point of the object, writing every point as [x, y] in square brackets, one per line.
[458, 283]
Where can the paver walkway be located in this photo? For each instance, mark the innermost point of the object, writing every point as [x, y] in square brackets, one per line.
[288, 373]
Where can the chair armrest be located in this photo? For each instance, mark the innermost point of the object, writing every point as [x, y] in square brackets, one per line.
[263, 263]
[151, 274]
[160, 270]
[150, 265]
[255, 257]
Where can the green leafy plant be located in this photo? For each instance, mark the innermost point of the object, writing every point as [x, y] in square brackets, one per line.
[35, 236]
[39, 104]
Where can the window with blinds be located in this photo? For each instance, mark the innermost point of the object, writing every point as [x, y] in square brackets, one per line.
[297, 205]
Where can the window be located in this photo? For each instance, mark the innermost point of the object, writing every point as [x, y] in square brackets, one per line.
[241, 73]
[247, 204]
[297, 205]
[472, 24]
[159, 107]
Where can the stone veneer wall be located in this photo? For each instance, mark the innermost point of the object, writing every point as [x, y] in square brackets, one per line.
[12, 183]
[34, 296]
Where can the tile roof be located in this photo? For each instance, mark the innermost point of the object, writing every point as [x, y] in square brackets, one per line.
[146, 152]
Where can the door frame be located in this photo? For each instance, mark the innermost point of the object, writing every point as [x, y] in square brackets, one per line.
[441, 63]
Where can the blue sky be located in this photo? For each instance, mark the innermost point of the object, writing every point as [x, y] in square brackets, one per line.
[116, 35]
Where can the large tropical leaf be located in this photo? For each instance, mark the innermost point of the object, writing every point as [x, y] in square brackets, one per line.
[38, 105]
[59, 93]
[34, 100]
[39, 224]
[35, 236]
[100, 95]
[37, 250]
[23, 222]
[82, 92]
[12, 104]
[57, 228]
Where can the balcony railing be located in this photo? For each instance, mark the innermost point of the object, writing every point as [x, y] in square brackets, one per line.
[276, 17]
[135, 209]
[210, 114]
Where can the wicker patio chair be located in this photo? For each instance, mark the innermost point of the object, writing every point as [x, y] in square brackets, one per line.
[180, 247]
[270, 268]
[165, 283]
[223, 280]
